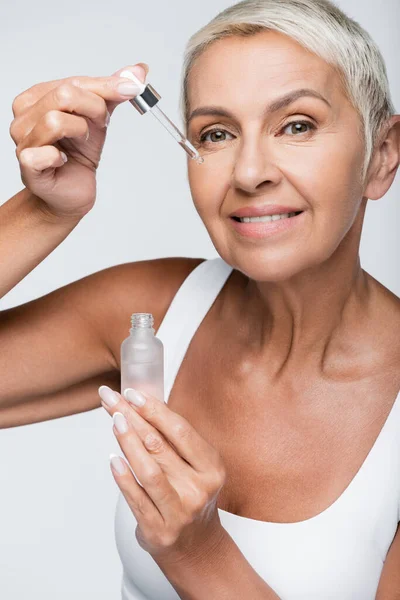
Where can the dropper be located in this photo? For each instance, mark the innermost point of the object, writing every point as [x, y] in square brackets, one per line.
[146, 101]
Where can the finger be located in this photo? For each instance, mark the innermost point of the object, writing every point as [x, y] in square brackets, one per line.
[140, 70]
[148, 472]
[36, 160]
[66, 98]
[113, 402]
[106, 87]
[176, 429]
[137, 498]
[54, 126]
[171, 463]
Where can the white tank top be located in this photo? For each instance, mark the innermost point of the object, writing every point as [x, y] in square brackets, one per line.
[337, 554]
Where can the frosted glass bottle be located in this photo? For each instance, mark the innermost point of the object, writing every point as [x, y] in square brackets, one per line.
[142, 358]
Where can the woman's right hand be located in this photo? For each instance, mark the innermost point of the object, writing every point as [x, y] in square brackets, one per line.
[70, 116]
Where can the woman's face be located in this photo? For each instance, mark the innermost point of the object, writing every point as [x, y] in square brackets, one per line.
[307, 155]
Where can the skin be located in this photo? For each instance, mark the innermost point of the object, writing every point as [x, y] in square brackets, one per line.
[318, 171]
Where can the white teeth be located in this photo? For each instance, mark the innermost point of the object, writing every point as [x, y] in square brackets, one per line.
[266, 218]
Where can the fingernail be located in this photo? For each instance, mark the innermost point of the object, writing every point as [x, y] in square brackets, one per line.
[128, 88]
[118, 464]
[120, 422]
[140, 71]
[108, 396]
[108, 118]
[137, 74]
[134, 396]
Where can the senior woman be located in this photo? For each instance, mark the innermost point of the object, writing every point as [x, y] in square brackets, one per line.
[274, 469]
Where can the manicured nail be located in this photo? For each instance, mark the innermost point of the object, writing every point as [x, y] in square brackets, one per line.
[128, 88]
[137, 71]
[118, 464]
[108, 396]
[134, 396]
[120, 422]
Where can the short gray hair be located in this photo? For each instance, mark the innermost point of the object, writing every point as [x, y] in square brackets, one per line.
[322, 28]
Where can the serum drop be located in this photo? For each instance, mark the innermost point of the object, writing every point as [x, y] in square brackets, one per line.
[142, 358]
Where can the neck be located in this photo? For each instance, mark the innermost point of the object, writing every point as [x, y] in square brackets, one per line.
[311, 320]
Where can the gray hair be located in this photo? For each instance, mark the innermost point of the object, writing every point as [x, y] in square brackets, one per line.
[322, 28]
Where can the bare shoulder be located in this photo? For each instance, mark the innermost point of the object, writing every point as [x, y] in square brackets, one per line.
[141, 286]
[386, 319]
[385, 298]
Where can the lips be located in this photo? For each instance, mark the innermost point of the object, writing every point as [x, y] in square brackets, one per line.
[264, 209]
[263, 230]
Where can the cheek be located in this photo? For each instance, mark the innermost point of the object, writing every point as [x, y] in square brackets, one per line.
[327, 177]
[208, 188]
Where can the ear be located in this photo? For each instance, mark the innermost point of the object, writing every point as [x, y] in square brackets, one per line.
[385, 162]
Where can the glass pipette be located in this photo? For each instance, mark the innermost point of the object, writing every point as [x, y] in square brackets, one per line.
[146, 101]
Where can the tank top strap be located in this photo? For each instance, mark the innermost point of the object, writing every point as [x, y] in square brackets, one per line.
[187, 310]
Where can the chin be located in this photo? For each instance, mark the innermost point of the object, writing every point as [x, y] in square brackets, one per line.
[258, 266]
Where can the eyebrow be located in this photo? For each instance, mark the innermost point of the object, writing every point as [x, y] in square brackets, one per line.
[276, 105]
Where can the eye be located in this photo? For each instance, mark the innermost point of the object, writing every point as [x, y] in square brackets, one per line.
[202, 138]
[306, 123]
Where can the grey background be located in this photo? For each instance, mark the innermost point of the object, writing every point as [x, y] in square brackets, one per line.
[57, 492]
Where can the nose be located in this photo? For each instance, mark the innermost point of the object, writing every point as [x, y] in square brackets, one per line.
[254, 166]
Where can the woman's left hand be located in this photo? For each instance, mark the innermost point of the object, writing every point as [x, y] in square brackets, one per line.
[180, 473]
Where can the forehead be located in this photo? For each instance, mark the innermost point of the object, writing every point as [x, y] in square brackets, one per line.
[266, 65]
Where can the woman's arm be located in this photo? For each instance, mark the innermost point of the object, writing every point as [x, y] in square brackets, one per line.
[389, 584]
[27, 236]
[61, 346]
[218, 571]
